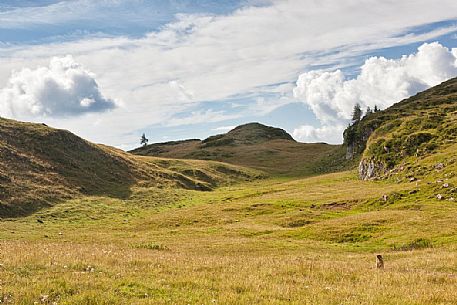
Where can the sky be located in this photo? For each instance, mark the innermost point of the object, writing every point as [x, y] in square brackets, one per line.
[111, 70]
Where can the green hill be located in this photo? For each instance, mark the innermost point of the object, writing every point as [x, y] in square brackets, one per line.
[301, 240]
[409, 139]
[41, 165]
[257, 146]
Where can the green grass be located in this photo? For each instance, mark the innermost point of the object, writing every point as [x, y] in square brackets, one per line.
[199, 232]
[41, 166]
[416, 127]
[253, 145]
[275, 241]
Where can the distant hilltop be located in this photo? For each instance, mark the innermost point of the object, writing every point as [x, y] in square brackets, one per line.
[248, 134]
[258, 146]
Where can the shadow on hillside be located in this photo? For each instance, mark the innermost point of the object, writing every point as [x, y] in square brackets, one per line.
[44, 169]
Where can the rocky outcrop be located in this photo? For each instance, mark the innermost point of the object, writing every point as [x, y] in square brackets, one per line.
[350, 151]
[370, 169]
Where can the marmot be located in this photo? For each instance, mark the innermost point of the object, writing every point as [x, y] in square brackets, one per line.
[379, 262]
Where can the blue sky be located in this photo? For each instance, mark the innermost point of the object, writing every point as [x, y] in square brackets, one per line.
[70, 20]
[110, 70]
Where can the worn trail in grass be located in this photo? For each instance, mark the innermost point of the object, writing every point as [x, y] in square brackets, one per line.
[303, 241]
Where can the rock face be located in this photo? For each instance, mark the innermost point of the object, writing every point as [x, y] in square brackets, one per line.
[370, 169]
[350, 151]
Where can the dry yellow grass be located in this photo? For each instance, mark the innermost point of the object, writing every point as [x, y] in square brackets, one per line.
[257, 146]
[306, 241]
[139, 230]
[39, 166]
[188, 274]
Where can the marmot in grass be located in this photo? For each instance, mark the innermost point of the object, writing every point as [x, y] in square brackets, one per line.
[379, 262]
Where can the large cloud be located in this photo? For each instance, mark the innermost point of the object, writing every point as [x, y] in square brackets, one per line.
[329, 134]
[200, 58]
[382, 82]
[64, 88]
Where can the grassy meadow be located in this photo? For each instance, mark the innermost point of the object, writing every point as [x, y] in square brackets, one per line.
[272, 241]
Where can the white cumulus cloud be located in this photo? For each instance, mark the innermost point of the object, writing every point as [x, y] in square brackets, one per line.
[382, 82]
[224, 128]
[328, 134]
[200, 58]
[64, 88]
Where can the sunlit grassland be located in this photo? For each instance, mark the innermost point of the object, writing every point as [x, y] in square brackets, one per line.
[275, 241]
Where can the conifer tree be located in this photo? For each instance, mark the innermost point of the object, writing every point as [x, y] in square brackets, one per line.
[144, 140]
[356, 113]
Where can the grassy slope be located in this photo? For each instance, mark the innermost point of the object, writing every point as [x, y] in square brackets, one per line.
[257, 146]
[305, 241]
[275, 241]
[412, 130]
[40, 165]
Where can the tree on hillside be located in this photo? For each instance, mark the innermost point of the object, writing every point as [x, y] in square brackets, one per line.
[349, 135]
[356, 113]
[376, 109]
[144, 140]
[368, 111]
